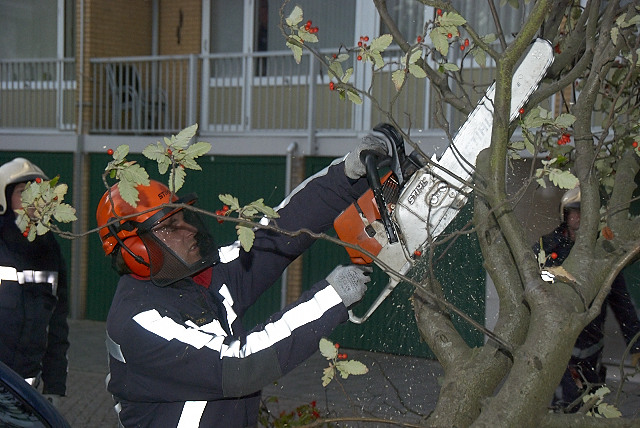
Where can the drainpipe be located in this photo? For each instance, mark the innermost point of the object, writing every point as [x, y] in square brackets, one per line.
[287, 189]
[77, 287]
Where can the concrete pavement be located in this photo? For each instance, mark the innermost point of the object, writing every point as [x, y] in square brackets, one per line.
[396, 387]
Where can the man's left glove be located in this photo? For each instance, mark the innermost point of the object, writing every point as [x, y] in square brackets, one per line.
[354, 167]
[635, 359]
[54, 399]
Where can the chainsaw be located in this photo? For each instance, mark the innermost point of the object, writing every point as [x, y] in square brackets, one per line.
[408, 207]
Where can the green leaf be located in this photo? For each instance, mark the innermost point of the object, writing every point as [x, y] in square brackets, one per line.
[377, 60]
[563, 179]
[351, 367]
[246, 237]
[134, 174]
[398, 78]
[565, 120]
[417, 71]
[336, 69]
[155, 152]
[451, 18]
[379, 44]
[231, 201]
[354, 97]
[182, 139]
[447, 66]
[198, 149]
[295, 17]
[176, 178]
[121, 152]
[264, 209]
[327, 375]
[328, 349]
[440, 41]
[479, 56]
[128, 192]
[308, 37]
[295, 47]
[65, 213]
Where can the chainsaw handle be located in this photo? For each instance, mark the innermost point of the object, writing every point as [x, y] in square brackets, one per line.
[370, 160]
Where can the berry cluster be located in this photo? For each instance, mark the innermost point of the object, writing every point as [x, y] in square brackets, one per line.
[341, 355]
[362, 43]
[309, 28]
[222, 212]
[564, 139]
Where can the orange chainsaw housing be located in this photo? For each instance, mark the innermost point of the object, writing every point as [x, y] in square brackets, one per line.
[352, 228]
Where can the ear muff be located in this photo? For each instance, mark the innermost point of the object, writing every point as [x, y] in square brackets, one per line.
[138, 262]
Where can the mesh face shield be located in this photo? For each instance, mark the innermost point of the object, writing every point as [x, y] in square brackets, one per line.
[179, 245]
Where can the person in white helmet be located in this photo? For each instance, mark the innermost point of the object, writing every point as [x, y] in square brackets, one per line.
[33, 292]
[585, 366]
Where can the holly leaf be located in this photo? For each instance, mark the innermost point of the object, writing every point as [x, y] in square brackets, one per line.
[328, 349]
[246, 236]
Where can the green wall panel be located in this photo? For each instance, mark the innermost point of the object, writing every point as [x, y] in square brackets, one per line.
[247, 178]
[392, 327]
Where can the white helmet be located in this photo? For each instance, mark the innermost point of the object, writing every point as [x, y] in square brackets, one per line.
[570, 199]
[18, 170]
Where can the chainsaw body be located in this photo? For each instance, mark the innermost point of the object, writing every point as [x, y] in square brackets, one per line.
[410, 206]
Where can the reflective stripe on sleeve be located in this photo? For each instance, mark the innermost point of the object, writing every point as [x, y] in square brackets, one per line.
[191, 414]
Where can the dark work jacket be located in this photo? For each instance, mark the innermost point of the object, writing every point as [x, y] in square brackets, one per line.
[179, 355]
[590, 340]
[33, 306]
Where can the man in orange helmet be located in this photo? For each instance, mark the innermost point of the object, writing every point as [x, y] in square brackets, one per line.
[179, 355]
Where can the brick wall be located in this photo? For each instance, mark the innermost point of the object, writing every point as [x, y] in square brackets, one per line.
[180, 27]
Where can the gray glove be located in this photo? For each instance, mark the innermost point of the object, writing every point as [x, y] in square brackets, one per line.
[353, 166]
[350, 282]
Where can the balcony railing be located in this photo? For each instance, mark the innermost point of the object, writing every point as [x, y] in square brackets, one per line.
[38, 94]
[224, 93]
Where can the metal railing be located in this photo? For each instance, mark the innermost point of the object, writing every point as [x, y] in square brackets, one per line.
[224, 93]
[143, 94]
[38, 93]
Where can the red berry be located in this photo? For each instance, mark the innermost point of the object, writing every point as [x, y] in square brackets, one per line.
[449, 35]
[169, 152]
[419, 39]
[332, 86]
[417, 253]
[439, 12]
[359, 57]
[521, 111]
[635, 144]
[38, 180]
[554, 255]
[466, 42]
[110, 152]
[360, 44]
[366, 38]
[337, 345]
[462, 47]
[25, 233]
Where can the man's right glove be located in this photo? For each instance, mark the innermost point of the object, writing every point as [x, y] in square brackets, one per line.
[350, 282]
[354, 168]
